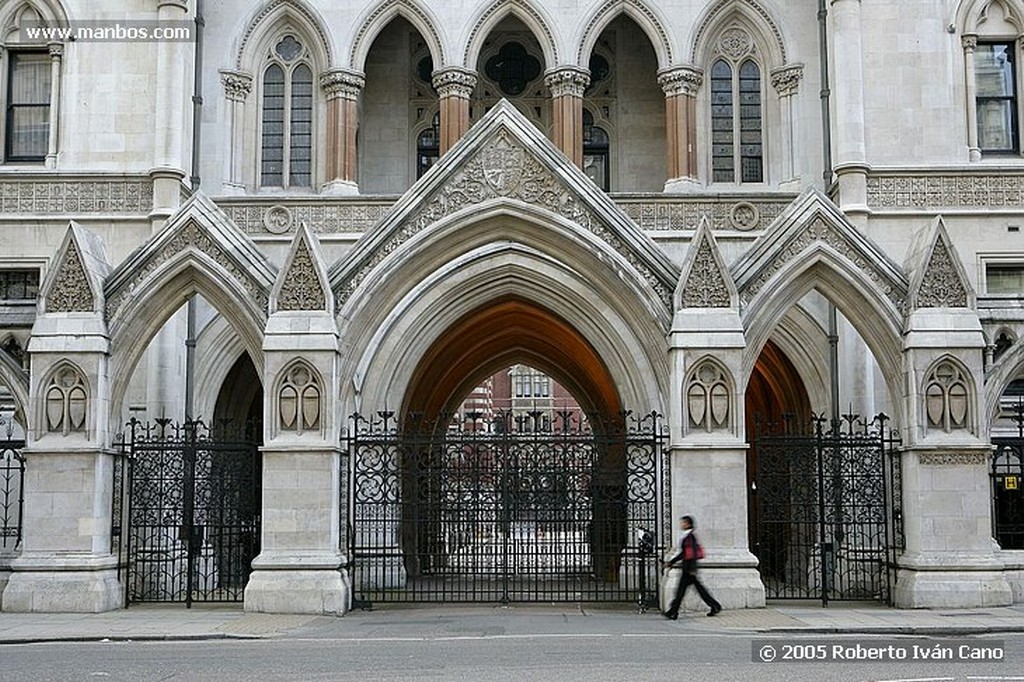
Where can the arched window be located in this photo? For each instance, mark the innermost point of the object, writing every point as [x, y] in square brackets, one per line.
[947, 402]
[595, 151]
[737, 144]
[428, 146]
[286, 150]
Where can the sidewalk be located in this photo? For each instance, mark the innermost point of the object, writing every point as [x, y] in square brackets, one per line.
[174, 622]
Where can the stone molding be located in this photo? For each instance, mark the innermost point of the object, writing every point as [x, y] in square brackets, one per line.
[568, 81]
[342, 83]
[454, 82]
[71, 292]
[933, 192]
[954, 458]
[331, 216]
[25, 194]
[684, 80]
[237, 85]
[786, 80]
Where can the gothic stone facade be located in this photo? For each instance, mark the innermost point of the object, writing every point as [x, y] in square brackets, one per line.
[661, 179]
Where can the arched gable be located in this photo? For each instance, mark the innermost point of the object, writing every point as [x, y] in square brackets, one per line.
[377, 18]
[49, 12]
[275, 16]
[645, 16]
[529, 13]
[753, 16]
[994, 17]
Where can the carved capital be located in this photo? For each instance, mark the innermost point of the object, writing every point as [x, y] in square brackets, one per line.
[237, 85]
[786, 80]
[56, 50]
[970, 43]
[454, 82]
[341, 83]
[684, 80]
[568, 81]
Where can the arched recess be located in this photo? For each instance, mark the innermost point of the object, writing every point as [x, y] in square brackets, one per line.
[240, 398]
[1009, 367]
[975, 16]
[494, 251]
[218, 347]
[270, 18]
[529, 13]
[505, 332]
[645, 16]
[753, 16]
[854, 294]
[949, 409]
[376, 18]
[166, 289]
[16, 380]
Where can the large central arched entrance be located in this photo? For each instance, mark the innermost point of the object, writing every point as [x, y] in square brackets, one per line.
[463, 496]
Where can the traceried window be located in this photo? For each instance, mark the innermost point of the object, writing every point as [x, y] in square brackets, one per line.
[428, 146]
[19, 286]
[737, 143]
[996, 99]
[286, 158]
[27, 122]
[513, 68]
[595, 151]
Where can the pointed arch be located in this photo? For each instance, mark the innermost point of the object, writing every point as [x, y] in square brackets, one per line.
[709, 393]
[64, 404]
[645, 16]
[753, 16]
[1009, 367]
[297, 399]
[377, 18]
[274, 16]
[50, 12]
[491, 15]
[972, 16]
[218, 347]
[17, 382]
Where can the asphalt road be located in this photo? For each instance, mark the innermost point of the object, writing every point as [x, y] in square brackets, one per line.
[503, 658]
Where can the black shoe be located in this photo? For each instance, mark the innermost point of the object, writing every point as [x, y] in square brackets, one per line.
[715, 610]
[670, 616]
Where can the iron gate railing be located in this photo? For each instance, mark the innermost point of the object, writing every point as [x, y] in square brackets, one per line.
[192, 512]
[828, 520]
[509, 508]
[1008, 484]
[12, 495]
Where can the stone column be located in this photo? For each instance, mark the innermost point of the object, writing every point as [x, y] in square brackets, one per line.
[970, 43]
[786, 82]
[66, 564]
[342, 88]
[567, 84]
[850, 163]
[169, 117]
[680, 86]
[56, 54]
[454, 87]
[237, 85]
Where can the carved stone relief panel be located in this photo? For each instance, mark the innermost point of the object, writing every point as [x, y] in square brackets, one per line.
[947, 405]
[67, 402]
[707, 398]
[299, 400]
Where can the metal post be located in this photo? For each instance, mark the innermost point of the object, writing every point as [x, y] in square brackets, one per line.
[824, 547]
[826, 122]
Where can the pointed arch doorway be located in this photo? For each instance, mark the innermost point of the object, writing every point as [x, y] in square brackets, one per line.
[495, 505]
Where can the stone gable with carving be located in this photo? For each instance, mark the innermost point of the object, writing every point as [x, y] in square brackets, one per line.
[705, 287]
[71, 292]
[503, 168]
[302, 289]
[942, 286]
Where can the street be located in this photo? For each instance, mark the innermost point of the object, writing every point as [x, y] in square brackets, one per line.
[477, 655]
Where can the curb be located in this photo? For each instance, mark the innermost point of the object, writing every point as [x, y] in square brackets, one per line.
[126, 638]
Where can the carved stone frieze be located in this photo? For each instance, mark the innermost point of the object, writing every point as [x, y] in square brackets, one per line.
[302, 289]
[705, 286]
[71, 292]
[954, 458]
[685, 213]
[935, 192]
[503, 168]
[190, 236]
[28, 195]
[820, 230]
[330, 216]
[942, 286]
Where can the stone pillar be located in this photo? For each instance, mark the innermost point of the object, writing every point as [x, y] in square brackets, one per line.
[567, 84]
[970, 43]
[850, 163]
[454, 87]
[56, 54]
[299, 568]
[169, 116]
[786, 82]
[680, 85]
[707, 425]
[342, 88]
[237, 85]
[66, 564]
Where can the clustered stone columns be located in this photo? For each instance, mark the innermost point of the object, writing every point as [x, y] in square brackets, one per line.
[567, 85]
[454, 87]
[786, 82]
[970, 43]
[680, 86]
[342, 88]
[56, 55]
[237, 85]
[850, 159]
[169, 123]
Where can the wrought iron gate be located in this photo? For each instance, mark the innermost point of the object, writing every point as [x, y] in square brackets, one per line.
[523, 508]
[1008, 484]
[12, 496]
[828, 510]
[193, 512]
